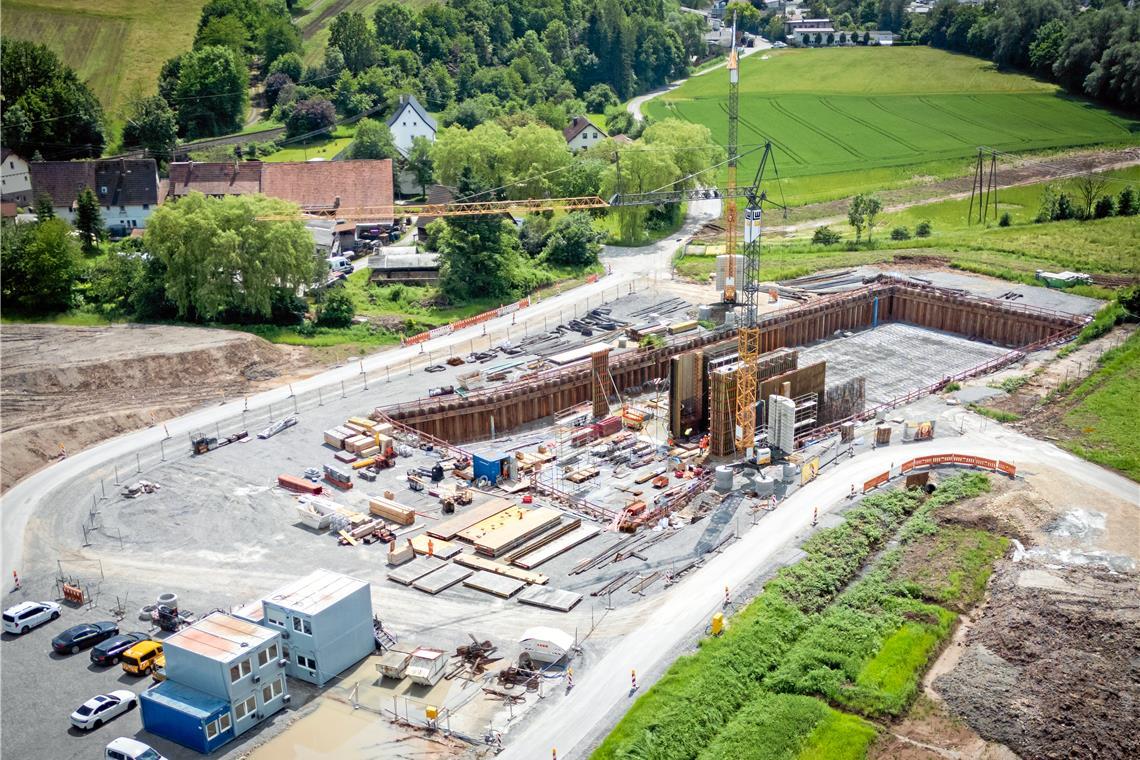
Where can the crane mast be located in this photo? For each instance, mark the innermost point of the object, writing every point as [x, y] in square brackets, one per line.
[730, 210]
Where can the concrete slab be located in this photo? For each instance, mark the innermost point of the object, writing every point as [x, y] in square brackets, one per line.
[419, 567]
[441, 579]
[550, 598]
[491, 583]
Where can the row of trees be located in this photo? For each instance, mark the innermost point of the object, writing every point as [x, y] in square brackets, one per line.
[1089, 51]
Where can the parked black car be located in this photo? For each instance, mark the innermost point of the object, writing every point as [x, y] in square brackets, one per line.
[82, 636]
[107, 652]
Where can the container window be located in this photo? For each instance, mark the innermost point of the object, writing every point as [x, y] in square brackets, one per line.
[273, 654]
[211, 729]
[224, 723]
[297, 624]
[263, 657]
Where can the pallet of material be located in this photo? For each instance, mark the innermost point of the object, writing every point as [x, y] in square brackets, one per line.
[370, 452]
[509, 516]
[550, 598]
[345, 456]
[563, 543]
[363, 422]
[414, 570]
[359, 430]
[565, 527]
[491, 583]
[441, 579]
[582, 475]
[357, 443]
[449, 529]
[476, 562]
[439, 547]
[392, 511]
[518, 532]
[300, 485]
[336, 437]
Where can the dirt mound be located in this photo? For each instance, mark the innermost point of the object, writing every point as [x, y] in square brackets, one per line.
[77, 386]
[1010, 509]
[1048, 668]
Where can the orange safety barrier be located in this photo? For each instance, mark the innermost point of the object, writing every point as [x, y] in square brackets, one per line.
[468, 322]
[983, 463]
[72, 593]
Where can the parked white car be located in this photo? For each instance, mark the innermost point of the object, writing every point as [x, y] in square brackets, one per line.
[125, 748]
[27, 615]
[102, 708]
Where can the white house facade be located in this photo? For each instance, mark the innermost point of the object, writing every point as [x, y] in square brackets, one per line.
[15, 179]
[582, 133]
[409, 121]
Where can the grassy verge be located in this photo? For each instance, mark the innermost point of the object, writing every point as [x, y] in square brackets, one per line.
[612, 227]
[1104, 419]
[997, 415]
[703, 694]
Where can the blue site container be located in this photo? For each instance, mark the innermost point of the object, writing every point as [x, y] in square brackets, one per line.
[187, 716]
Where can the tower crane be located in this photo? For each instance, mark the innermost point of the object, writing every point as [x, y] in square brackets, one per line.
[755, 198]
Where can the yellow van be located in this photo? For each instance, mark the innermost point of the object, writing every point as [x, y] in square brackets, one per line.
[140, 659]
[158, 672]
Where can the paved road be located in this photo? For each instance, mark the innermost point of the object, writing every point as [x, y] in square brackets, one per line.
[599, 694]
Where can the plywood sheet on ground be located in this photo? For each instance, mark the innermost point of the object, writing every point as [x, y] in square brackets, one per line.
[414, 570]
[443, 578]
[518, 532]
[550, 598]
[558, 546]
[508, 516]
[491, 583]
[452, 527]
[482, 563]
[439, 547]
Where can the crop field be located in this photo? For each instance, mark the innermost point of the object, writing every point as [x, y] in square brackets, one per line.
[755, 691]
[116, 46]
[847, 120]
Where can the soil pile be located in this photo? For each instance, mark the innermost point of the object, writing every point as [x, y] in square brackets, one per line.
[77, 386]
[1049, 668]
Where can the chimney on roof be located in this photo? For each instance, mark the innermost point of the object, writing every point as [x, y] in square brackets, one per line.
[336, 202]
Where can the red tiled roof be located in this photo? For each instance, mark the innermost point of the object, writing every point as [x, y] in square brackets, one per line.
[230, 178]
[318, 184]
[116, 182]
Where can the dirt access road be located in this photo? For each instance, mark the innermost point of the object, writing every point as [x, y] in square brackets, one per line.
[76, 386]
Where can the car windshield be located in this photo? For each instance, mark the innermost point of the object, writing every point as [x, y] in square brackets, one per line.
[150, 754]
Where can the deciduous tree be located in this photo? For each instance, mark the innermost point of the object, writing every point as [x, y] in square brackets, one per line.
[38, 91]
[419, 162]
[39, 266]
[373, 139]
[151, 124]
[221, 258]
[212, 92]
[573, 241]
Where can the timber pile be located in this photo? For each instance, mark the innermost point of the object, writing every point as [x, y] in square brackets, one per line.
[449, 529]
[392, 511]
[479, 563]
[542, 540]
[561, 544]
[518, 532]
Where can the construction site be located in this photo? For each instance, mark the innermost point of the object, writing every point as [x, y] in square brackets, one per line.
[578, 493]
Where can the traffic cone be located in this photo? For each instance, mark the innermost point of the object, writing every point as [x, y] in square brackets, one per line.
[16, 579]
[569, 679]
[633, 679]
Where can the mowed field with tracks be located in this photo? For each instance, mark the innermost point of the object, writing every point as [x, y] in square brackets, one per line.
[845, 120]
[116, 46]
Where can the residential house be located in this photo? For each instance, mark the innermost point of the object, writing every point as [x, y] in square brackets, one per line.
[883, 37]
[224, 675]
[409, 121]
[795, 24]
[318, 187]
[15, 179]
[326, 618]
[581, 133]
[127, 189]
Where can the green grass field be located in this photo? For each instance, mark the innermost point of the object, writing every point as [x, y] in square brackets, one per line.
[1107, 246]
[1103, 422]
[854, 119]
[314, 17]
[116, 46]
[322, 147]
